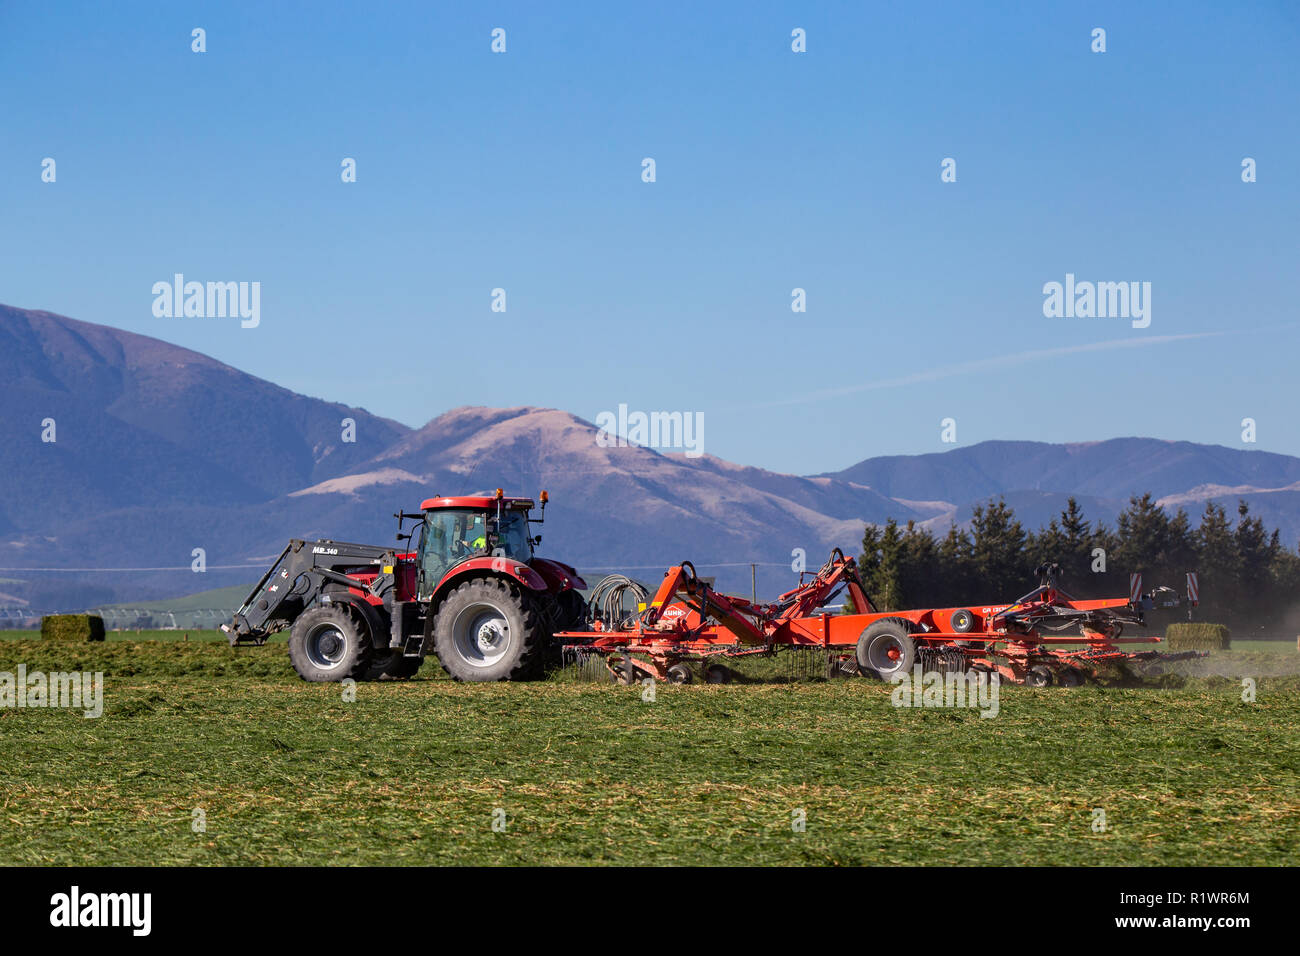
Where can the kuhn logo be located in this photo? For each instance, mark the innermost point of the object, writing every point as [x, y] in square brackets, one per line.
[673, 612]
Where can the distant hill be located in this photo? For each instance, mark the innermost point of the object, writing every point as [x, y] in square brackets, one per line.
[228, 597]
[1037, 478]
[162, 450]
[141, 423]
[1104, 469]
[204, 610]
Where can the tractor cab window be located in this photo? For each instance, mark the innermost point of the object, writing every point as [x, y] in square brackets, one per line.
[512, 536]
[450, 536]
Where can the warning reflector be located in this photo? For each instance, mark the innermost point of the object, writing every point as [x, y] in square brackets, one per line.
[1135, 587]
[1193, 589]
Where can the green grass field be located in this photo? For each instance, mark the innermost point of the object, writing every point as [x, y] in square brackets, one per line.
[411, 773]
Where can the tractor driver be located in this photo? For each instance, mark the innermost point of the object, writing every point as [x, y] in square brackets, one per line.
[475, 537]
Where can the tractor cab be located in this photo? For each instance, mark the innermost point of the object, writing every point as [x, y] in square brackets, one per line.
[460, 529]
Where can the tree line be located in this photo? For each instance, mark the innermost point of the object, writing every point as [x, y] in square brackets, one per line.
[1248, 579]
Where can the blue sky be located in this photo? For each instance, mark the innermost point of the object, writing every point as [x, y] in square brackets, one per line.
[775, 170]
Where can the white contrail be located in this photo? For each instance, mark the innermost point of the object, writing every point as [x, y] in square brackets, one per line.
[997, 361]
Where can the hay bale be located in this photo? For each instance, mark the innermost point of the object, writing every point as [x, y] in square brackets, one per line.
[1198, 636]
[72, 627]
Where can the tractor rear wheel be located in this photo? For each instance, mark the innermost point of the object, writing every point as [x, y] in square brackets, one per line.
[886, 648]
[487, 630]
[327, 644]
[570, 611]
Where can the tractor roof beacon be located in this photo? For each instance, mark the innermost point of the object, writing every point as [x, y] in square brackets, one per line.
[468, 587]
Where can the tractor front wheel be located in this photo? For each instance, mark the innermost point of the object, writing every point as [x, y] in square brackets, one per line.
[488, 629]
[327, 644]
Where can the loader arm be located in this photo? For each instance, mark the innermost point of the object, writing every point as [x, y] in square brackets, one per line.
[261, 583]
[297, 579]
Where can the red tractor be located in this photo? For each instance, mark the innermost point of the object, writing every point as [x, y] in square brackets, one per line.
[472, 590]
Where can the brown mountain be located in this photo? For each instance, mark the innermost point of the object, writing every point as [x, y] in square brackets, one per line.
[140, 422]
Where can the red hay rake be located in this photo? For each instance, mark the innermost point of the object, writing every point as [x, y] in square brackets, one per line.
[687, 622]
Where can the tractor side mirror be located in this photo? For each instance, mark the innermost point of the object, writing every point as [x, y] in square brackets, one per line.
[537, 540]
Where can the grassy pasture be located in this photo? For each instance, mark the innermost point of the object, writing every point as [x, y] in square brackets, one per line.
[286, 772]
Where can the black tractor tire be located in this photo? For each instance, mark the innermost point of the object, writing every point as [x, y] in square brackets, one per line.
[570, 611]
[489, 629]
[328, 644]
[879, 643]
[390, 665]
